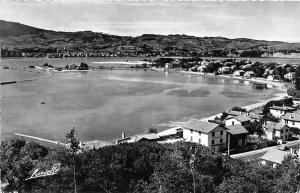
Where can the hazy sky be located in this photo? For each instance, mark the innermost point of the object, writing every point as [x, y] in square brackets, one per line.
[257, 20]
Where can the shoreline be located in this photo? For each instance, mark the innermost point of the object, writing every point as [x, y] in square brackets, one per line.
[276, 96]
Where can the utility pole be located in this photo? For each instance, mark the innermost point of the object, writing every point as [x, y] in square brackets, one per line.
[192, 160]
[228, 144]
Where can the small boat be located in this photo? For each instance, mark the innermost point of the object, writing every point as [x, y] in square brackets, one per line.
[43, 102]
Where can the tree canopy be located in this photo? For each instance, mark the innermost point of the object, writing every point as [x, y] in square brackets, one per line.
[142, 167]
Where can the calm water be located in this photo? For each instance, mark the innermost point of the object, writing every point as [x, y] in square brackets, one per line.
[102, 104]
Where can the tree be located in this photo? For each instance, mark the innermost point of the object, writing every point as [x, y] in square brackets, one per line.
[291, 91]
[18, 159]
[297, 77]
[152, 130]
[73, 149]
[289, 172]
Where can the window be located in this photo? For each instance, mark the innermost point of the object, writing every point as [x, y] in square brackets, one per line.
[281, 131]
[286, 122]
[221, 132]
[286, 136]
[232, 122]
[281, 137]
[213, 134]
[212, 142]
[287, 130]
[221, 140]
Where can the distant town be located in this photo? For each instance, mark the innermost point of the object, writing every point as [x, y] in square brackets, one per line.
[133, 51]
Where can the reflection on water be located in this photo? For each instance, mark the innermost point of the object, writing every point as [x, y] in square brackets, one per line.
[104, 104]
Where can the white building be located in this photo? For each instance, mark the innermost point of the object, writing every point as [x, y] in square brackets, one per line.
[249, 74]
[274, 78]
[239, 73]
[204, 133]
[274, 157]
[290, 76]
[277, 131]
[243, 120]
[291, 119]
[225, 70]
[278, 111]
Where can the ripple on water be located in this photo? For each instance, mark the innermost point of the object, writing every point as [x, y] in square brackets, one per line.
[185, 93]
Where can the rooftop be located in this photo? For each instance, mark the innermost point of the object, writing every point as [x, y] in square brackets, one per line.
[149, 136]
[291, 117]
[236, 129]
[282, 108]
[274, 125]
[242, 118]
[235, 113]
[275, 156]
[195, 124]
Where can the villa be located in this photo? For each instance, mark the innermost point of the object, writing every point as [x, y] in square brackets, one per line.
[291, 119]
[277, 131]
[278, 111]
[243, 120]
[205, 133]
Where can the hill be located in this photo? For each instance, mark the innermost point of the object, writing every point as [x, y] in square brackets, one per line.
[23, 36]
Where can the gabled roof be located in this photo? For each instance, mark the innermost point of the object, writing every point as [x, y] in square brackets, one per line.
[234, 113]
[291, 117]
[255, 116]
[275, 156]
[236, 129]
[203, 126]
[274, 125]
[149, 136]
[241, 118]
[282, 108]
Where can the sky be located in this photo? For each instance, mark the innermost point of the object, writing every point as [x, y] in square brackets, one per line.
[267, 20]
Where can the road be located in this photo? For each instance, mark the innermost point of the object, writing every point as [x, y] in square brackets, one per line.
[260, 152]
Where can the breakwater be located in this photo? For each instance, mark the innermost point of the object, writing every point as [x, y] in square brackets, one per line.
[14, 82]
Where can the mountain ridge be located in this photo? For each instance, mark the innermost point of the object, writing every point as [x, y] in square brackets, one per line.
[24, 36]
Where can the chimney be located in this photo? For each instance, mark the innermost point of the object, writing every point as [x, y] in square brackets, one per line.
[123, 135]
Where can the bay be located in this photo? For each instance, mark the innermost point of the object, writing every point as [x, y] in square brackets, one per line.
[103, 104]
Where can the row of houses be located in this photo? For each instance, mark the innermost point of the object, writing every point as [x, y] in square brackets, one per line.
[232, 133]
[231, 68]
[209, 134]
